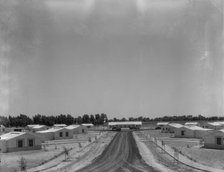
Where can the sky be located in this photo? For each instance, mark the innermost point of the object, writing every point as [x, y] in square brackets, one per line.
[123, 58]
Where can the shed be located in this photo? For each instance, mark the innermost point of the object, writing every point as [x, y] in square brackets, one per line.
[56, 134]
[19, 141]
[214, 140]
[77, 129]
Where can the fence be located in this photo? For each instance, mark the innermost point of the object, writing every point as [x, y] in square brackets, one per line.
[172, 152]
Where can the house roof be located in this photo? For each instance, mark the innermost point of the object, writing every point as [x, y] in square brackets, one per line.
[162, 123]
[14, 134]
[51, 130]
[191, 123]
[60, 125]
[37, 126]
[11, 135]
[126, 123]
[218, 123]
[71, 127]
[176, 125]
[87, 124]
[197, 128]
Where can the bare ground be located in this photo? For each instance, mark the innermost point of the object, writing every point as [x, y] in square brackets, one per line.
[120, 155]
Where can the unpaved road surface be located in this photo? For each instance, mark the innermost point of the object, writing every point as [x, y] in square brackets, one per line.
[121, 155]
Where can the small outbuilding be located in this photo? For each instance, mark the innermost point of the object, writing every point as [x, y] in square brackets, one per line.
[214, 140]
[77, 129]
[19, 141]
[56, 134]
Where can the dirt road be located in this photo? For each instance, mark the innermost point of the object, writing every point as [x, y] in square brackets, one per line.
[121, 155]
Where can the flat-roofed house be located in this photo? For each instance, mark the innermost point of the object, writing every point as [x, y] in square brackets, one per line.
[191, 132]
[77, 129]
[19, 141]
[125, 124]
[214, 140]
[56, 134]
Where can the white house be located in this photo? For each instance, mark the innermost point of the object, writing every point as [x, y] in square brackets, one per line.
[169, 128]
[191, 132]
[214, 139]
[159, 125]
[19, 141]
[77, 129]
[56, 134]
[218, 125]
[125, 124]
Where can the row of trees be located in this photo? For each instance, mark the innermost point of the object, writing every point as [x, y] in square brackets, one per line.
[171, 118]
[23, 120]
[97, 119]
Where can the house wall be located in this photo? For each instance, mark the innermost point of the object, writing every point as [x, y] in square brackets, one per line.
[11, 145]
[80, 130]
[187, 133]
[210, 140]
[58, 137]
[47, 136]
[165, 129]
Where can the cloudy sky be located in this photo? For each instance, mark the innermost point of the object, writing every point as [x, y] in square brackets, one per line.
[120, 57]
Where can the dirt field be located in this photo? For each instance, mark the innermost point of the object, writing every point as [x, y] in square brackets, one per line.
[121, 155]
[191, 149]
[10, 161]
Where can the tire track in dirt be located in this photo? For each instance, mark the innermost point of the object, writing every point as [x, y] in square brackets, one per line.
[120, 155]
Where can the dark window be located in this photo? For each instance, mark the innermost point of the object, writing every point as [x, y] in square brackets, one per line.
[66, 134]
[31, 142]
[61, 134]
[83, 130]
[182, 133]
[219, 140]
[20, 143]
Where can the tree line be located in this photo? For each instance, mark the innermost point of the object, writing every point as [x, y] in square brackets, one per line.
[98, 119]
[23, 120]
